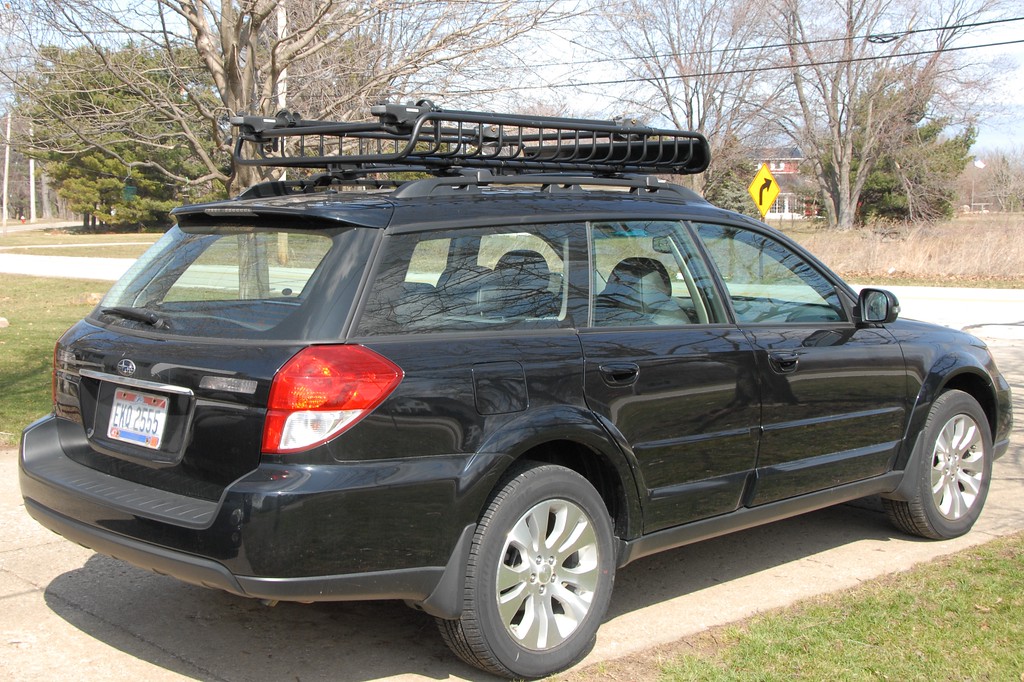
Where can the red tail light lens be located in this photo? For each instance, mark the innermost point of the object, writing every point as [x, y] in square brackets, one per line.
[321, 392]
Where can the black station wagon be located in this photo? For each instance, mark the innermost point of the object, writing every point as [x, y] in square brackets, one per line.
[478, 362]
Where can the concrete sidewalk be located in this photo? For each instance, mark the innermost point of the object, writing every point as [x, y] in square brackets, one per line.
[73, 267]
[961, 307]
[15, 226]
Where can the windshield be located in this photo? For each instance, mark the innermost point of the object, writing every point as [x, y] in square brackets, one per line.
[220, 282]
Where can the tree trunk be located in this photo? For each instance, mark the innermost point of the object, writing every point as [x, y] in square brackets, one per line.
[44, 186]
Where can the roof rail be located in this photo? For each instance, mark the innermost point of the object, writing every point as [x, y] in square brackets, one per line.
[315, 183]
[552, 183]
[421, 137]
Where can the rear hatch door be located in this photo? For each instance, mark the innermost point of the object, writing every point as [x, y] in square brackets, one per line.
[169, 376]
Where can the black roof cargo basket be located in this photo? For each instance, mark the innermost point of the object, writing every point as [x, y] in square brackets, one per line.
[421, 137]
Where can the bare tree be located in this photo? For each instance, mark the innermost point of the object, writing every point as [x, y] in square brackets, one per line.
[696, 63]
[13, 59]
[14, 49]
[999, 181]
[862, 71]
[220, 57]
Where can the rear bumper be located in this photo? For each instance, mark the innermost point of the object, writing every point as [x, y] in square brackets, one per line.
[389, 529]
[429, 588]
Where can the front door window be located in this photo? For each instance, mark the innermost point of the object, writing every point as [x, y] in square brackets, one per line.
[768, 282]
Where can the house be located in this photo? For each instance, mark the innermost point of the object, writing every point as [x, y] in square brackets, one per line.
[784, 163]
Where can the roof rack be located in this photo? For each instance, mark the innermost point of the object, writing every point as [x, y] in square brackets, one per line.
[421, 137]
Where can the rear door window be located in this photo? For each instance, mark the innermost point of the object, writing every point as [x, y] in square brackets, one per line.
[486, 279]
[648, 273]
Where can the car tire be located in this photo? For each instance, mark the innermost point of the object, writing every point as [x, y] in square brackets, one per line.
[952, 472]
[539, 575]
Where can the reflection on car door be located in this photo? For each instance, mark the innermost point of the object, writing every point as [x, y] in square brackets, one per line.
[675, 385]
[833, 394]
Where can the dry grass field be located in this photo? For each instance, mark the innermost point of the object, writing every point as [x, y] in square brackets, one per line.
[979, 250]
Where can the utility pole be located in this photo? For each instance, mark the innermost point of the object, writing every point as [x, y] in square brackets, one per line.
[31, 182]
[7, 168]
[282, 81]
[282, 103]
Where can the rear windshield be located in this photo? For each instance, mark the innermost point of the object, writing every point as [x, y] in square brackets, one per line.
[221, 282]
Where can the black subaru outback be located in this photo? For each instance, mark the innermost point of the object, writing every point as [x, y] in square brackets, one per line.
[482, 385]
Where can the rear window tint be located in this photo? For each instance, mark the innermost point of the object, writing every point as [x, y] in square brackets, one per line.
[250, 266]
[218, 283]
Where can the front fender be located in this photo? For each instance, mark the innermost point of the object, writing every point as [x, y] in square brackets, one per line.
[969, 369]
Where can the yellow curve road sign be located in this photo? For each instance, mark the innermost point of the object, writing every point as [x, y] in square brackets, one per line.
[764, 190]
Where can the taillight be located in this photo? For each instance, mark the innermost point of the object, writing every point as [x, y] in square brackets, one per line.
[322, 391]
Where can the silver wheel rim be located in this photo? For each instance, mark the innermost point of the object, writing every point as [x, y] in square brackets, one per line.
[957, 467]
[548, 572]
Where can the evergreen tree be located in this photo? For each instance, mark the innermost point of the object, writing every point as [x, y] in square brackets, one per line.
[123, 172]
[917, 181]
[727, 187]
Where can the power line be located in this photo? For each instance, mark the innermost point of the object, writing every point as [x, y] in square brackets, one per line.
[877, 38]
[758, 69]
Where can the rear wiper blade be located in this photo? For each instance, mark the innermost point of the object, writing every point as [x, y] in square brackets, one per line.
[137, 314]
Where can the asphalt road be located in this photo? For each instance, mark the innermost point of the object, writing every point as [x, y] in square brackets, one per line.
[69, 613]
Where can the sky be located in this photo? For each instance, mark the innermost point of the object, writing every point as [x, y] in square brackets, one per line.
[1005, 129]
[1001, 127]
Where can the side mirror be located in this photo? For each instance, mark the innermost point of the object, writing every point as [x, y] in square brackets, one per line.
[877, 306]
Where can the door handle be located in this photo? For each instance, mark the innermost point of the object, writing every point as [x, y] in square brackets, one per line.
[784, 362]
[620, 373]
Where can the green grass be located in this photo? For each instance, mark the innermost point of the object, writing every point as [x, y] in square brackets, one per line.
[904, 279]
[958, 618]
[38, 311]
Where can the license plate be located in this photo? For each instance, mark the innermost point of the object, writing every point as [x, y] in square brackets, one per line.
[137, 418]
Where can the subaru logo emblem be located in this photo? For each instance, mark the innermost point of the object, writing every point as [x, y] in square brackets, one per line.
[126, 367]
